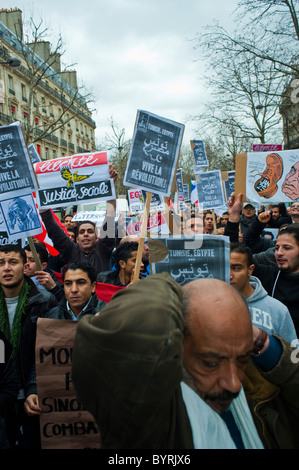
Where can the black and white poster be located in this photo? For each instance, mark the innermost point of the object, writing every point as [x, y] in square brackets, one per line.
[210, 190]
[154, 153]
[33, 154]
[199, 153]
[16, 171]
[21, 217]
[201, 256]
[180, 188]
[186, 192]
[229, 185]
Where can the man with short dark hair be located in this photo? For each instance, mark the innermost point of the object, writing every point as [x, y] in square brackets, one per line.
[21, 303]
[125, 259]
[265, 311]
[247, 217]
[79, 283]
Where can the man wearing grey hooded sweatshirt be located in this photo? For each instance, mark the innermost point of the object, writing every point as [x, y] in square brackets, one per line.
[266, 312]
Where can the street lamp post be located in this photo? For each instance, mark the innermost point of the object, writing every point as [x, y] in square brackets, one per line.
[12, 62]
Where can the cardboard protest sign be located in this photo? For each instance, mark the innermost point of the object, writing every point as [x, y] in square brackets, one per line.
[272, 176]
[21, 217]
[74, 180]
[197, 257]
[210, 190]
[199, 154]
[64, 424]
[17, 176]
[154, 153]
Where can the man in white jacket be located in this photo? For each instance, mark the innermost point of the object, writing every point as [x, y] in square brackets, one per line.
[266, 312]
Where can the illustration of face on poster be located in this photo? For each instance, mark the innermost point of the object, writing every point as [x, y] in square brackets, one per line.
[20, 216]
[290, 186]
[272, 177]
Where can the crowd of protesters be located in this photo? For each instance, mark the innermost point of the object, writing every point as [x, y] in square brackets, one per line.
[264, 270]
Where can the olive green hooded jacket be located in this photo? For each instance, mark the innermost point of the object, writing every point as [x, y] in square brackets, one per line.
[127, 369]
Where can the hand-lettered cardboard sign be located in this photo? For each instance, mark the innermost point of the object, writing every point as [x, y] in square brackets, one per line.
[64, 424]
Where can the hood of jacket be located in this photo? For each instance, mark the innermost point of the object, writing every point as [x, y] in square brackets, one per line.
[259, 291]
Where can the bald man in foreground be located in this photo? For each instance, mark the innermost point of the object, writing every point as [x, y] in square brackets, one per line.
[166, 367]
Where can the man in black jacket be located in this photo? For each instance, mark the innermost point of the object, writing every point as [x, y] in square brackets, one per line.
[89, 247]
[21, 303]
[79, 282]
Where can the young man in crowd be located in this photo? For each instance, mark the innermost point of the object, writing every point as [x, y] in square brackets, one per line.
[265, 311]
[80, 298]
[125, 259]
[21, 303]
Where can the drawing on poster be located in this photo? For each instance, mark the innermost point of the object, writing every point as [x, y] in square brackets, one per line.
[266, 185]
[272, 176]
[290, 186]
[20, 214]
[70, 177]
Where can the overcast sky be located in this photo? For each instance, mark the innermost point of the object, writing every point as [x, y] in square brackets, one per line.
[133, 54]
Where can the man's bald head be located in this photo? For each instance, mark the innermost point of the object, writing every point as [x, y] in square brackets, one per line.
[211, 299]
[218, 340]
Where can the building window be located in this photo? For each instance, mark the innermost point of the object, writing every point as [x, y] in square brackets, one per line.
[23, 91]
[10, 85]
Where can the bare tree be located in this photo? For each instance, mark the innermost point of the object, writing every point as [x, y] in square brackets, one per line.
[38, 70]
[119, 146]
[245, 92]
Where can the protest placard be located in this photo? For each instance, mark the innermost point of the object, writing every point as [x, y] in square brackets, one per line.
[154, 153]
[199, 154]
[33, 154]
[17, 175]
[187, 261]
[137, 197]
[64, 424]
[91, 216]
[272, 176]
[21, 216]
[155, 224]
[210, 190]
[186, 192]
[229, 184]
[266, 147]
[180, 188]
[74, 180]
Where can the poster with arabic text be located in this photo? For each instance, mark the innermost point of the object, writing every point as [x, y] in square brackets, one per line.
[154, 153]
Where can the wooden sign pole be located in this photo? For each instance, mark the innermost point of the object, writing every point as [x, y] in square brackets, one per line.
[34, 253]
[143, 231]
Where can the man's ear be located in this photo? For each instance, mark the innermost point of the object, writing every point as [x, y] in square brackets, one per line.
[251, 269]
[122, 264]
